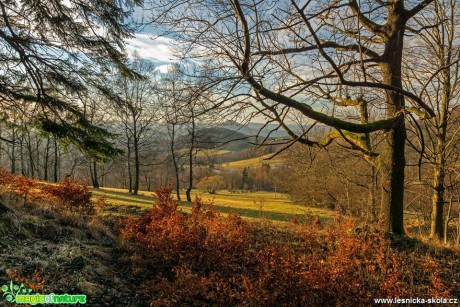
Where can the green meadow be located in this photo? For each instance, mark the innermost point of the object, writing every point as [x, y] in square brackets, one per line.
[253, 206]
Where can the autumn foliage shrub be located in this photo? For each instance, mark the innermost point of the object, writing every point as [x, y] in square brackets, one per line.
[70, 195]
[19, 186]
[74, 196]
[204, 258]
[204, 240]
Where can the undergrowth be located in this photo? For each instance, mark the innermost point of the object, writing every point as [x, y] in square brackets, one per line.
[69, 195]
[168, 258]
[54, 241]
[205, 258]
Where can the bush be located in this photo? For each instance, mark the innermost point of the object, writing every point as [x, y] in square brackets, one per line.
[206, 259]
[212, 184]
[73, 196]
[19, 186]
[164, 238]
[69, 194]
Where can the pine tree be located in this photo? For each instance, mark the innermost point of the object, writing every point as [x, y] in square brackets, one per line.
[53, 52]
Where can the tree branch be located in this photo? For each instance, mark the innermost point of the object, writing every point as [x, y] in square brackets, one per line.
[328, 44]
[366, 22]
[414, 11]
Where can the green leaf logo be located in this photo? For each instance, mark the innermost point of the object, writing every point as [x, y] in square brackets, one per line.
[13, 290]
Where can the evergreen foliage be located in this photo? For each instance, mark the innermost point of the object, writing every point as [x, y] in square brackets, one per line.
[54, 52]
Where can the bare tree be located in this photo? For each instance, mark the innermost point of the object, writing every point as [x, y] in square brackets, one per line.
[434, 72]
[94, 110]
[136, 110]
[284, 52]
[173, 93]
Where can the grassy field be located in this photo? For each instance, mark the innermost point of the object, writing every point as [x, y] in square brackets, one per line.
[256, 206]
[254, 162]
[205, 152]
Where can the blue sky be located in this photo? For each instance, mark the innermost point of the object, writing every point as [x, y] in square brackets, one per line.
[147, 45]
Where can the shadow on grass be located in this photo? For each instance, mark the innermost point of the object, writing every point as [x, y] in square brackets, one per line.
[146, 201]
[125, 197]
[128, 201]
[258, 214]
[125, 209]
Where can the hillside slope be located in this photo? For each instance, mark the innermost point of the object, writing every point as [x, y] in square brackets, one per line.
[72, 254]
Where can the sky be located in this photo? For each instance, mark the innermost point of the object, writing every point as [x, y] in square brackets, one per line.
[149, 46]
[157, 50]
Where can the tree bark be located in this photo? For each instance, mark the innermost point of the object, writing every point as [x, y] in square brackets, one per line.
[437, 225]
[392, 166]
[94, 175]
[30, 153]
[392, 160]
[13, 152]
[21, 156]
[439, 172]
[372, 192]
[447, 219]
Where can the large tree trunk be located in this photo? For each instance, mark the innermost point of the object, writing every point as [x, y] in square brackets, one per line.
[392, 165]
[392, 160]
[447, 219]
[372, 194]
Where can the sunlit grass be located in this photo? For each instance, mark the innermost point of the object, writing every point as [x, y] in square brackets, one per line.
[254, 162]
[256, 206]
[205, 152]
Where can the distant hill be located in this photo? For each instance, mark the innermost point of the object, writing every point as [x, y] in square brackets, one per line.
[253, 162]
[272, 130]
[256, 129]
[223, 138]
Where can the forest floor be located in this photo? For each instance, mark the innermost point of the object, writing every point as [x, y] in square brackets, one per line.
[61, 253]
[58, 252]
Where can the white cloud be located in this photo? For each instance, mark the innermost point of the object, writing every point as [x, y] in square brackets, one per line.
[165, 68]
[158, 50]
